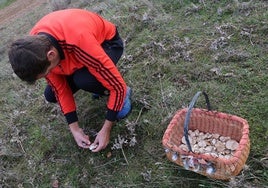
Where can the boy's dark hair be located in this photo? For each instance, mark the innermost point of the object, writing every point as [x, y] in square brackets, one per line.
[28, 57]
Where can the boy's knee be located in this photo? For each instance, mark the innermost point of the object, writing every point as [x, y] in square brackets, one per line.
[49, 95]
[50, 99]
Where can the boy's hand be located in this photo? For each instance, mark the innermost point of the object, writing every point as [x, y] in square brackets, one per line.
[103, 137]
[81, 139]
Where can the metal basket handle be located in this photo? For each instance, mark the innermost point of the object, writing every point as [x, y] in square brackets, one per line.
[188, 114]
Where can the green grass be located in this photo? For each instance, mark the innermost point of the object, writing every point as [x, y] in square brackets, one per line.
[5, 3]
[169, 56]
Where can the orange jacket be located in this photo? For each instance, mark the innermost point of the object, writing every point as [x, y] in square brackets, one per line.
[78, 35]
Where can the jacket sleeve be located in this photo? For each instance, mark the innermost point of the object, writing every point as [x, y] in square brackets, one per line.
[64, 96]
[91, 54]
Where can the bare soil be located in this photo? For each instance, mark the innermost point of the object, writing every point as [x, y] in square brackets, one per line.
[18, 8]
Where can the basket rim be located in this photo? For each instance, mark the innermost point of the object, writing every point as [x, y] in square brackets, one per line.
[243, 143]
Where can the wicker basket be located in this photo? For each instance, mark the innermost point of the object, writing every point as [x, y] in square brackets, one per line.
[207, 121]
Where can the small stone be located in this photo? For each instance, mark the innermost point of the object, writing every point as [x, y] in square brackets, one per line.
[109, 154]
[55, 184]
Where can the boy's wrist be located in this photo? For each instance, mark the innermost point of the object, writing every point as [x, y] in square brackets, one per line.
[74, 126]
[108, 125]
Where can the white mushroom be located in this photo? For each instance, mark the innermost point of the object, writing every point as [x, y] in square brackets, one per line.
[183, 140]
[215, 136]
[208, 149]
[196, 132]
[213, 141]
[183, 147]
[220, 147]
[174, 156]
[232, 145]
[202, 143]
[210, 143]
[93, 146]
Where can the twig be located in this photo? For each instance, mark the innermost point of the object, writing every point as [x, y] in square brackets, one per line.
[139, 115]
[250, 38]
[202, 1]
[137, 118]
[124, 155]
[21, 145]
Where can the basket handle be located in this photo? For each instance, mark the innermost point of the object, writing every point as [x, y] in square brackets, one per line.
[188, 114]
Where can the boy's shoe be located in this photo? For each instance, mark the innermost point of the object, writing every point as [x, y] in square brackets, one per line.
[127, 107]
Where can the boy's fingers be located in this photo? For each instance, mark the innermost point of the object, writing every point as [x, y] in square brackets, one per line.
[87, 139]
[86, 143]
[94, 147]
[85, 146]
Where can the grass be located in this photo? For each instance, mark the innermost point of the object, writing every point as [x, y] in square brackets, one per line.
[173, 49]
[4, 3]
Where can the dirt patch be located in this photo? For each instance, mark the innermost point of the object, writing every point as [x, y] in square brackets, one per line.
[17, 8]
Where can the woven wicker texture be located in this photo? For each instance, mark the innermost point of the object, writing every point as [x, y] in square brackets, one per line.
[209, 122]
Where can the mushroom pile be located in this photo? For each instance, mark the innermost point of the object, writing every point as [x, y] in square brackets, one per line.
[209, 143]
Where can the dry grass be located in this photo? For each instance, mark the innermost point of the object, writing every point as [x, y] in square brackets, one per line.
[173, 50]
